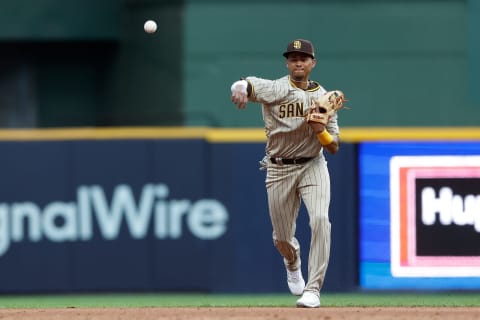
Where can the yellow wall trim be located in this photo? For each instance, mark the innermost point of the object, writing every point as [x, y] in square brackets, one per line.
[357, 134]
[350, 134]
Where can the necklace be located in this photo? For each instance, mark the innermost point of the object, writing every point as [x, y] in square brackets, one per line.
[300, 82]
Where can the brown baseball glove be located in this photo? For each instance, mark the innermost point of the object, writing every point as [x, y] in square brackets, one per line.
[324, 108]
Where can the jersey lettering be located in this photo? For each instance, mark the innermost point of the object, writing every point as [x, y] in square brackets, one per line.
[291, 110]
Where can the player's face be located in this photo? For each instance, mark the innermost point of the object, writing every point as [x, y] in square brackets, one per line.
[300, 66]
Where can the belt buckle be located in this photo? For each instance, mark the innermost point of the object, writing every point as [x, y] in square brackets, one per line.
[279, 161]
[295, 160]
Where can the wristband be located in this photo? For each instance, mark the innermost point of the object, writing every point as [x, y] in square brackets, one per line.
[240, 86]
[324, 137]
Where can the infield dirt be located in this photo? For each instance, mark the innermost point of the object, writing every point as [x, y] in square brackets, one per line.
[266, 313]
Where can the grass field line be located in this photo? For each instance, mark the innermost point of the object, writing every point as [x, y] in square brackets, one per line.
[136, 300]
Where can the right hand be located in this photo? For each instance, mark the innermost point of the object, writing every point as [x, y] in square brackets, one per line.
[239, 93]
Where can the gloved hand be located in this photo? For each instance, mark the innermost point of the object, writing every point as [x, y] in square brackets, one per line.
[239, 93]
[323, 109]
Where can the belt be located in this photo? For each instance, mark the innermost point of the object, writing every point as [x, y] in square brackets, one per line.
[289, 161]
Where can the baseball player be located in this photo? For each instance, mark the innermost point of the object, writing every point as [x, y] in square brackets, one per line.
[297, 131]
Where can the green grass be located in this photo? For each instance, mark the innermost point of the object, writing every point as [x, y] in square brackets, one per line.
[236, 300]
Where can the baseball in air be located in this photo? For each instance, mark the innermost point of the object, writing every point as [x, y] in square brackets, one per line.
[150, 26]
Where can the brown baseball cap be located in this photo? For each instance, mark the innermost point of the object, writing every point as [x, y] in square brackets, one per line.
[300, 45]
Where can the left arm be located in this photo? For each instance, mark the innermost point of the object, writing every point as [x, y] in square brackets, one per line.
[332, 128]
[326, 130]
[323, 119]
[333, 146]
[329, 142]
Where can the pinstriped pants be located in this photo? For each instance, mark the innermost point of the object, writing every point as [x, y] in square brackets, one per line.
[289, 185]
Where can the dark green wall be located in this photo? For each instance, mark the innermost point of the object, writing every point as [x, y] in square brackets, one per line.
[145, 84]
[59, 19]
[401, 63]
[89, 63]
[473, 40]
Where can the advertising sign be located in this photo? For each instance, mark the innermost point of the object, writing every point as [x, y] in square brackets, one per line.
[152, 215]
[420, 215]
[435, 216]
[112, 215]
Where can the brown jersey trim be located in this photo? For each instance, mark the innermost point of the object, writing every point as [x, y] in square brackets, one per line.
[313, 86]
[250, 90]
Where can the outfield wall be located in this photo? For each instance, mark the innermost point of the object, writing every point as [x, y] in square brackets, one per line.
[132, 214]
[184, 209]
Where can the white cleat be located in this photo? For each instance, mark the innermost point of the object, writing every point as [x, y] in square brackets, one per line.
[296, 284]
[308, 300]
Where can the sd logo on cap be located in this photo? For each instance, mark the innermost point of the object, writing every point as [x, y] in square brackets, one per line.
[300, 46]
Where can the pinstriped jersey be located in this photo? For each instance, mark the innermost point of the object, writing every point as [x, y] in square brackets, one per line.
[284, 107]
